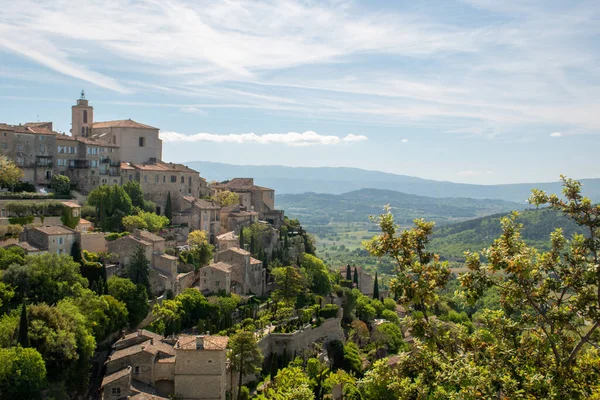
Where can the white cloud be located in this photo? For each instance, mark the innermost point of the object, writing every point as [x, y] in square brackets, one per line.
[471, 172]
[307, 138]
[404, 140]
[556, 134]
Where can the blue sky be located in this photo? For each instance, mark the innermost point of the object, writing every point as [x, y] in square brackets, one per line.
[476, 91]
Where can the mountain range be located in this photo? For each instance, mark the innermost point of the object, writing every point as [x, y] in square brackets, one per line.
[338, 180]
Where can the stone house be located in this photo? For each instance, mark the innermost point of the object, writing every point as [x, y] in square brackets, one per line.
[52, 239]
[215, 277]
[146, 364]
[235, 217]
[253, 198]
[247, 273]
[200, 214]
[227, 240]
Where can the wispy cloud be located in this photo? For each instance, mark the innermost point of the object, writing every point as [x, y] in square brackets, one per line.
[404, 140]
[308, 138]
[556, 134]
[496, 67]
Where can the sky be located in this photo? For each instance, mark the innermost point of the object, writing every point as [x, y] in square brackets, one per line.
[476, 91]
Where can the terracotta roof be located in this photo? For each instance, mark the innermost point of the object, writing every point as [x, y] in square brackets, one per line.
[168, 257]
[188, 342]
[26, 129]
[83, 221]
[220, 266]
[94, 142]
[141, 332]
[255, 261]
[163, 166]
[40, 130]
[37, 123]
[237, 250]
[71, 204]
[128, 166]
[239, 184]
[25, 246]
[201, 203]
[228, 236]
[121, 123]
[54, 230]
[126, 351]
[130, 237]
[149, 236]
[116, 376]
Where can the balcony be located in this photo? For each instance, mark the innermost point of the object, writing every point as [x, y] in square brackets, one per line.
[115, 163]
[104, 160]
[80, 164]
[114, 173]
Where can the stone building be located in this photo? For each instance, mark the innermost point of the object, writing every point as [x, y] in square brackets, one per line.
[52, 239]
[215, 277]
[247, 273]
[235, 217]
[253, 198]
[145, 364]
[227, 240]
[201, 214]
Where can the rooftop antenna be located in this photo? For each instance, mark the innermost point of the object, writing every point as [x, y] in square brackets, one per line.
[82, 94]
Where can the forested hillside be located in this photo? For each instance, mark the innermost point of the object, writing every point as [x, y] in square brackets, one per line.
[320, 209]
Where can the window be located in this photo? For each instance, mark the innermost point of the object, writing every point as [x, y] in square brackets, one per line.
[72, 163]
[190, 181]
[42, 149]
[85, 116]
[142, 141]
[137, 370]
[217, 283]
[61, 149]
[71, 150]
[93, 163]
[155, 178]
[76, 212]
[19, 147]
[130, 178]
[83, 130]
[173, 179]
[60, 240]
[87, 131]
[145, 178]
[164, 179]
[116, 391]
[42, 138]
[114, 139]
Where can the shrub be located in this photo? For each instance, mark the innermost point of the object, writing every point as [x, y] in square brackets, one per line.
[10, 231]
[61, 184]
[21, 220]
[115, 235]
[329, 311]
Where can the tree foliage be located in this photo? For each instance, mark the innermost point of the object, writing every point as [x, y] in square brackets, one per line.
[112, 203]
[290, 283]
[22, 373]
[61, 184]
[245, 356]
[9, 172]
[138, 269]
[133, 296]
[226, 198]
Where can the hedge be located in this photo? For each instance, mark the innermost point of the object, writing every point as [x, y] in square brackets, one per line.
[329, 311]
[115, 235]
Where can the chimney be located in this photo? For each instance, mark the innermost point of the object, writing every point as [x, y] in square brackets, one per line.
[199, 342]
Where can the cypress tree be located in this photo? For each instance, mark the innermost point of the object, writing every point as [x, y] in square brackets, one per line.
[376, 288]
[356, 276]
[348, 273]
[76, 252]
[24, 327]
[286, 245]
[284, 358]
[168, 208]
[274, 368]
[242, 237]
[252, 245]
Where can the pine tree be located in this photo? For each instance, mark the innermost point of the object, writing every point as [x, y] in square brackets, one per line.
[376, 288]
[356, 276]
[138, 269]
[168, 208]
[242, 237]
[24, 327]
[348, 273]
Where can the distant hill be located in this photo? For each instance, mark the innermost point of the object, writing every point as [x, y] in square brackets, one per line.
[452, 240]
[356, 206]
[342, 180]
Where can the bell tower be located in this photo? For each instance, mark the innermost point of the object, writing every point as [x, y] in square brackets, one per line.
[82, 117]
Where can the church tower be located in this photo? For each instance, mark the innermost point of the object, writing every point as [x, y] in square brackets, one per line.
[82, 117]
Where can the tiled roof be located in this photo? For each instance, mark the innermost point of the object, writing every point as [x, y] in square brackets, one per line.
[130, 237]
[25, 129]
[237, 250]
[128, 166]
[71, 204]
[25, 246]
[188, 342]
[55, 230]
[127, 351]
[220, 266]
[228, 236]
[163, 166]
[121, 123]
[116, 376]
[40, 130]
[255, 261]
[239, 184]
[149, 236]
[94, 142]
[201, 203]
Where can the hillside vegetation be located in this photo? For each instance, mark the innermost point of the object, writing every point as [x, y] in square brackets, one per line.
[316, 209]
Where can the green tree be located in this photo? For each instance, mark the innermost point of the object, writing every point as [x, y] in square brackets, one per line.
[131, 222]
[352, 362]
[138, 269]
[274, 367]
[290, 283]
[23, 327]
[317, 274]
[245, 356]
[45, 278]
[376, 288]
[291, 383]
[112, 204]
[135, 193]
[104, 314]
[76, 252]
[241, 238]
[22, 373]
[348, 273]
[169, 208]
[61, 184]
[10, 256]
[226, 198]
[389, 334]
[9, 172]
[133, 296]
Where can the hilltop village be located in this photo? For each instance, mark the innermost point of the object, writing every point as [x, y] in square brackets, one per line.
[209, 259]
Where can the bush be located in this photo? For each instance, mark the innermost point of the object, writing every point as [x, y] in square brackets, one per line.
[115, 235]
[10, 231]
[61, 184]
[21, 220]
[329, 311]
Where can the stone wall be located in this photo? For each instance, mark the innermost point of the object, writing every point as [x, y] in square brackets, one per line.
[92, 241]
[185, 281]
